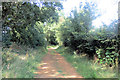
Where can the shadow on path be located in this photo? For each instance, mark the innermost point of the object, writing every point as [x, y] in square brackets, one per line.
[54, 65]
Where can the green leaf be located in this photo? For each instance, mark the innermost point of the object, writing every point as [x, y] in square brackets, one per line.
[107, 53]
[116, 54]
[99, 56]
[104, 58]
[101, 62]
[107, 56]
[98, 53]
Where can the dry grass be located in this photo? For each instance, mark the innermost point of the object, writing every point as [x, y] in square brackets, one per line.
[22, 62]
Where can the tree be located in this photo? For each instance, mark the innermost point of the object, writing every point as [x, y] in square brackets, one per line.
[74, 31]
[21, 17]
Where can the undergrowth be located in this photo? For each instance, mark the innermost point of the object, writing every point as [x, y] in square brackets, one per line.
[21, 63]
[86, 68]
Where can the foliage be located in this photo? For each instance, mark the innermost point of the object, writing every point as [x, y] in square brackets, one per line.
[6, 39]
[108, 53]
[77, 33]
[50, 31]
[74, 31]
[108, 59]
[85, 67]
[23, 65]
[21, 18]
[28, 24]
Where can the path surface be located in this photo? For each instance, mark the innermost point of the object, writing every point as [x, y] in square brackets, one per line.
[55, 66]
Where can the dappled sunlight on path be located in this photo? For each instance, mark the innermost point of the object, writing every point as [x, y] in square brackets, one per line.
[55, 66]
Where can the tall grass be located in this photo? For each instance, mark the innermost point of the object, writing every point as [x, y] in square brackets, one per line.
[0, 63]
[23, 65]
[85, 67]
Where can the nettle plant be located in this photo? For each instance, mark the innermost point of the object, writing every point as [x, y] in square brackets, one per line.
[107, 57]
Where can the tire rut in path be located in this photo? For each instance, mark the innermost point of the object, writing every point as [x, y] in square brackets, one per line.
[55, 66]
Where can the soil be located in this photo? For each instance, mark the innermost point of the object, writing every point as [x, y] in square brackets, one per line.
[54, 65]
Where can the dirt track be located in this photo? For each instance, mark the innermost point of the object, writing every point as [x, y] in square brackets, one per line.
[55, 66]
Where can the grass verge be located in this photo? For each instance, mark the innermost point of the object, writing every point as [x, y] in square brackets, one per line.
[86, 68]
[18, 65]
